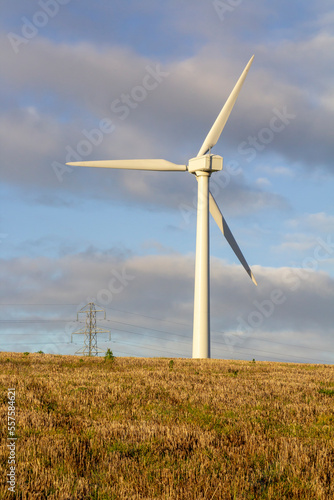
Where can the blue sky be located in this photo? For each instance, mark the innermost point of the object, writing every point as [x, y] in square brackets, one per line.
[72, 85]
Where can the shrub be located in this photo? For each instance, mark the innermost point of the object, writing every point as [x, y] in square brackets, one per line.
[109, 356]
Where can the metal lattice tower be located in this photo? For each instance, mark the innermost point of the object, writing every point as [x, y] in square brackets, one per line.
[90, 330]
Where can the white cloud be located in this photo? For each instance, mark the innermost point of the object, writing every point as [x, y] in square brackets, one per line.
[162, 286]
[263, 182]
[297, 242]
[275, 171]
[319, 222]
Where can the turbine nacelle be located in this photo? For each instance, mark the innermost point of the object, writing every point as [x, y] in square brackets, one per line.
[205, 163]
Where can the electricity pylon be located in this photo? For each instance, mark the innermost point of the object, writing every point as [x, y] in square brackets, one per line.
[90, 330]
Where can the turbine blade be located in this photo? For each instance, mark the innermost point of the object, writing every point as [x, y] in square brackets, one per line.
[163, 165]
[222, 224]
[217, 128]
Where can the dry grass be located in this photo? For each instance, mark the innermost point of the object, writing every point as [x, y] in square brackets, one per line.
[147, 428]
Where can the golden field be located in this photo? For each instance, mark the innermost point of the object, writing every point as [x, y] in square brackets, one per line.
[137, 428]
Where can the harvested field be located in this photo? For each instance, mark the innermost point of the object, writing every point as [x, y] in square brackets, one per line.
[142, 428]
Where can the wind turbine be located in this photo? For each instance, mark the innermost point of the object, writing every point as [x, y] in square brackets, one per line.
[203, 165]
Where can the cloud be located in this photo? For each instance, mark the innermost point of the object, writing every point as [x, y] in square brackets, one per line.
[275, 171]
[299, 242]
[161, 286]
[319, 221]
[84, 80]
[314, 233]
[263, 182]
[46, 144]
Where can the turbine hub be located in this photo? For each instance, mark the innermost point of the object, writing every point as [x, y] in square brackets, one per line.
[205, 163]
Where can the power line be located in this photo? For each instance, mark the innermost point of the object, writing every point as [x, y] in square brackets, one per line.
[111, 308]
[38, 343]
[254, 351]
[252, 337]
[162, 320]
[244, 348]
[185, 336]
[35, 320]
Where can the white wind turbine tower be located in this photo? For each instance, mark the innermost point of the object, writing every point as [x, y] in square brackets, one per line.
[203, 165]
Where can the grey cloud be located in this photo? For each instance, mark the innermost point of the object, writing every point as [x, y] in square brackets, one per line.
[171, 122]
[37, 162]
[161, 286]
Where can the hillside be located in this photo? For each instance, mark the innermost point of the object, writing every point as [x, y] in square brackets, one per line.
[155, 428]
